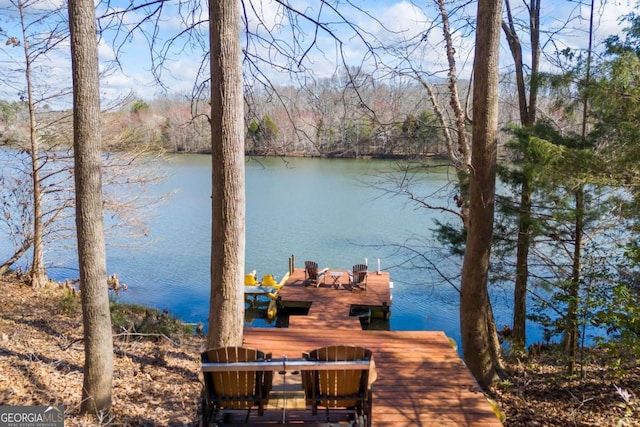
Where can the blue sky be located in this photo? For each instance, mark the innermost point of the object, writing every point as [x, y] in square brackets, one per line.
[389, 23]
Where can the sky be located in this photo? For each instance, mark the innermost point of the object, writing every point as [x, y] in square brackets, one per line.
[354, 32]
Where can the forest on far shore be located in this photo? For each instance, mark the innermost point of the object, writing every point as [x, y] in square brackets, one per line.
[327, 119]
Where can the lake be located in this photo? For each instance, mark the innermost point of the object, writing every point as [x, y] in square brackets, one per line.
[330, 211]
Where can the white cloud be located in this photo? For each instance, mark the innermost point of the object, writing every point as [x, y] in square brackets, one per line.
[368, 27]
[399, 22]
[607, 18]
[105, 51]
[118, 83]
[265, 16]
[568, 23]
[183, 73]
[10, 10]
[382, 22]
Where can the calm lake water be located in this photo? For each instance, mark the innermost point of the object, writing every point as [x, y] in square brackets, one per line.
[324, 210]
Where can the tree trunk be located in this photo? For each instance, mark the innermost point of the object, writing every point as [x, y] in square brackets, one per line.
[6, 266]
[519, 333]
[571, 333]
[458, 148]
[96, 317]
[462, 156]
[527, 119]
[226, 312]
[570, 339]
[477, 329]
[38, 273]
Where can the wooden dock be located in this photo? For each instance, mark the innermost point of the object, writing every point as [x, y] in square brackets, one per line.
[330, 303]
[421, 380]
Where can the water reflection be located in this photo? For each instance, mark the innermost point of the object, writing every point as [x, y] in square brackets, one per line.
[326, 210]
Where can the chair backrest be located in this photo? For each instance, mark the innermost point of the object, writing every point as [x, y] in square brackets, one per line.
[311, 269]
[359, 273]
[237, 389]
[250, 280]
[339, 388]
[269, 280]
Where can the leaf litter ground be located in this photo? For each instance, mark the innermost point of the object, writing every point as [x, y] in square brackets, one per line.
[157, 382]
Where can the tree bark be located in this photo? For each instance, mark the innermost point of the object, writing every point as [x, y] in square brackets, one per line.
[527, 119]
[519, 333]
[477, 329]
[570, 338]
[6, 266]
[226, 312]
[38, 272]
[96, 317]
[461, 156]
[458, 148]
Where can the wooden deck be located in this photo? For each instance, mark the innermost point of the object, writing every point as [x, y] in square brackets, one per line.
[421, 380]
[330, 304]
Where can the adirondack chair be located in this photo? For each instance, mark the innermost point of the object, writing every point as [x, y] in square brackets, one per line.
[311, 273]
[250, 279]
[347, 388]
[234, 390]
[269, 281]
[358, 277]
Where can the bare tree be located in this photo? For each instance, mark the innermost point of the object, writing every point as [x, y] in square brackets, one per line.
[38, 272]
[38, 215]
[56, 201]
[96, 317]
[35, 45]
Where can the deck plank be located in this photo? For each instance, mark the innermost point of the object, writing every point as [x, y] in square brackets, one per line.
[330, 304]
[421, 380]
[377, 292]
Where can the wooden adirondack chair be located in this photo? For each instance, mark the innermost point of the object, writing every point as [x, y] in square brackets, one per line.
[234, 389]
[340, 388]
[311, 273]
[358, 277]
